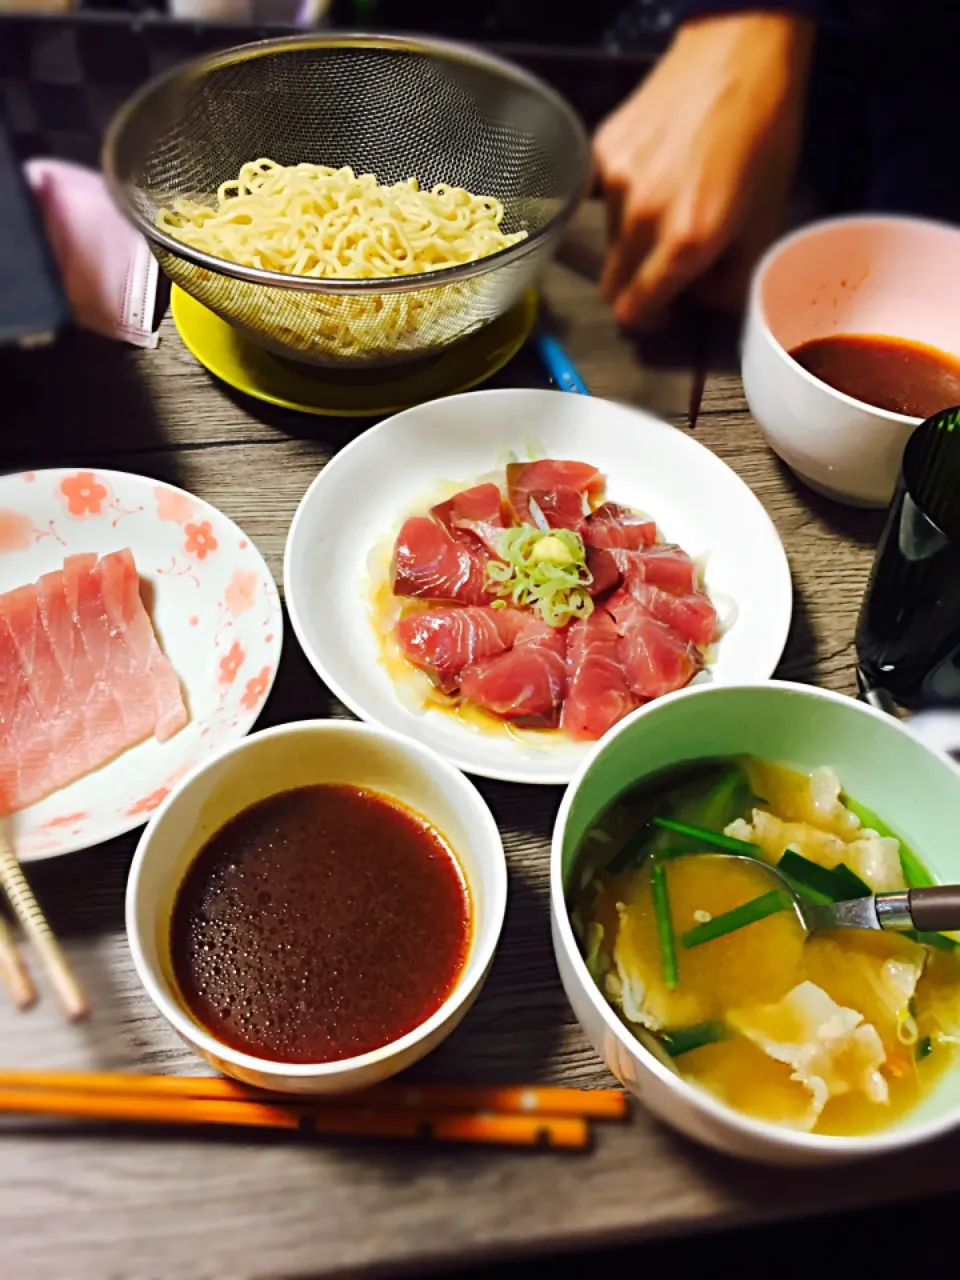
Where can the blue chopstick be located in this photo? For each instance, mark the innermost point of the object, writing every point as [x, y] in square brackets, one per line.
[559, 365]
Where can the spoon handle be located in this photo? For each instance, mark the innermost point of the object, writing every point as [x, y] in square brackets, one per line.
[935, 909]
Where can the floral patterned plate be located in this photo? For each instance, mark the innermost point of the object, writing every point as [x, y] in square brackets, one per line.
[215, 608]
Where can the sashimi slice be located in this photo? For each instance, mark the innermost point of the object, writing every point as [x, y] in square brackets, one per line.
[612, 525]
[662, 565]
[120, 588]
[557, 508]
[74, 692]
[87, 670]
[690, 613]
[547, 476]
[655, 658]
[51, 698]
[110, 658]
[527, 681]
[432, 564]
[24, 743]
[444, 641]
[598, 695]
[604, 570]
[477, 511]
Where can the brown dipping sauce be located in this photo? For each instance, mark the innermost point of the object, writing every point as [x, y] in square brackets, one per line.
[321, 923]
[888, 373]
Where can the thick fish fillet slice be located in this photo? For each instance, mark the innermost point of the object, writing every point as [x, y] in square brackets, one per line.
[527, 680]
[598, 694]
[82, 677]
[432, 563]
[50, 695]
[612, 525]
[478, 512]
[655, 658]
[120, 587]
[443, 641]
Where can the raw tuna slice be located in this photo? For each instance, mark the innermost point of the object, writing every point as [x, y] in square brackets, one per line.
[120, 586]
[545, 481]
[690, 613]
[614, 526]
[47, 693]
[597, 691]
[477, 511]
[433, 564]
[82, 677]
[444, 641]
[656, 659]
[557, 508]
[528, 681]
[606, 573]
[662, 565]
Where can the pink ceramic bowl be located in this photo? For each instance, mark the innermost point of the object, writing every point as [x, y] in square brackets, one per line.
[894, 276]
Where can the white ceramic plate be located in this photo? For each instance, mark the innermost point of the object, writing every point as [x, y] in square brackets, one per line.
[371, 485]
[215, 609]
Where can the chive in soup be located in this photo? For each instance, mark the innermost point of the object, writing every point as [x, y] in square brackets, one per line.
[708, 965]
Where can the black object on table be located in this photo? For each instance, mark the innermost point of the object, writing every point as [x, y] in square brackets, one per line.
[33, 307]
[908, 634]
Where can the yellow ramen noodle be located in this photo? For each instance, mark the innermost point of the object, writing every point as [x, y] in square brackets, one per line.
[311, 220]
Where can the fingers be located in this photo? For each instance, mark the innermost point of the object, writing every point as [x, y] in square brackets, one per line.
[633, 242]
[673, 262]
[726, 284]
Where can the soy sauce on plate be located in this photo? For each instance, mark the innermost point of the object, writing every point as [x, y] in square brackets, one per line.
[321, 923]
[888, 373]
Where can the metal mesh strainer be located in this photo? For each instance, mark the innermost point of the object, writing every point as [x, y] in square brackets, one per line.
[395, 107]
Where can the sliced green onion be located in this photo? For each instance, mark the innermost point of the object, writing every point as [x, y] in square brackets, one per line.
[731, 797]
[686, 1039]
[630, 851]
[542, 569]
[661, 908]
[835, 885]
[713, 839]
[940, 941]
[767, 904]
[914, 872]
[924, 1048]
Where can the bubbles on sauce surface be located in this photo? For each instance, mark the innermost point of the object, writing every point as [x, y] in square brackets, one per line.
[321, 923]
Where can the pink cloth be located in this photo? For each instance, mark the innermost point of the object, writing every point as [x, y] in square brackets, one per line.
[108, 272]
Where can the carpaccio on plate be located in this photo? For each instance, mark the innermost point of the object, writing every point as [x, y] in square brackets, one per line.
[549, 607]
[82, 677]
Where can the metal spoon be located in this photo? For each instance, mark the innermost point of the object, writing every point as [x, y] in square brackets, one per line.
[929, 910]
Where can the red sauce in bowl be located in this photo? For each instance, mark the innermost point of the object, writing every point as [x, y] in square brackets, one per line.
[319, 924]
[889, 373]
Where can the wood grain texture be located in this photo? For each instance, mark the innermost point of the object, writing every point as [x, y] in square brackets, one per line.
[93, 1202]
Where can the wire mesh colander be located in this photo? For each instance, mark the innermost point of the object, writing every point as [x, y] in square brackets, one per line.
[391, 106]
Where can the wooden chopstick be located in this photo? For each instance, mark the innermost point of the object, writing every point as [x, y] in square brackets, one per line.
[72, 999]
[13, 972]
[532, 1100]
[503, 1130]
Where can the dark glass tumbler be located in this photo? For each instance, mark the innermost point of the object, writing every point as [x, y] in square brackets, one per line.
[908, 632]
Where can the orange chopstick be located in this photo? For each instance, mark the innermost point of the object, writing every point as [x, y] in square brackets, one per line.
[502, 1130]
[529, 1100]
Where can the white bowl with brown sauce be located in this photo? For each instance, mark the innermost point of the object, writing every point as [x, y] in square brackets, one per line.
[744, 1089]
[317, 908]
[852, 338]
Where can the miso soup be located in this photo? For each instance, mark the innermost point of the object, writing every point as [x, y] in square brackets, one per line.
[708, 964]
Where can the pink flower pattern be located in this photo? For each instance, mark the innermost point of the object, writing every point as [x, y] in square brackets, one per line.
[84, 493]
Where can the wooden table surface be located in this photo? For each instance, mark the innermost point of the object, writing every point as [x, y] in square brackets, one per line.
[90, 1202]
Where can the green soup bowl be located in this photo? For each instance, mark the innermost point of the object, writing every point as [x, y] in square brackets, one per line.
[913, 786]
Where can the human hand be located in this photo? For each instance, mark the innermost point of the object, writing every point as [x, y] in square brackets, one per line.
[697, 163]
